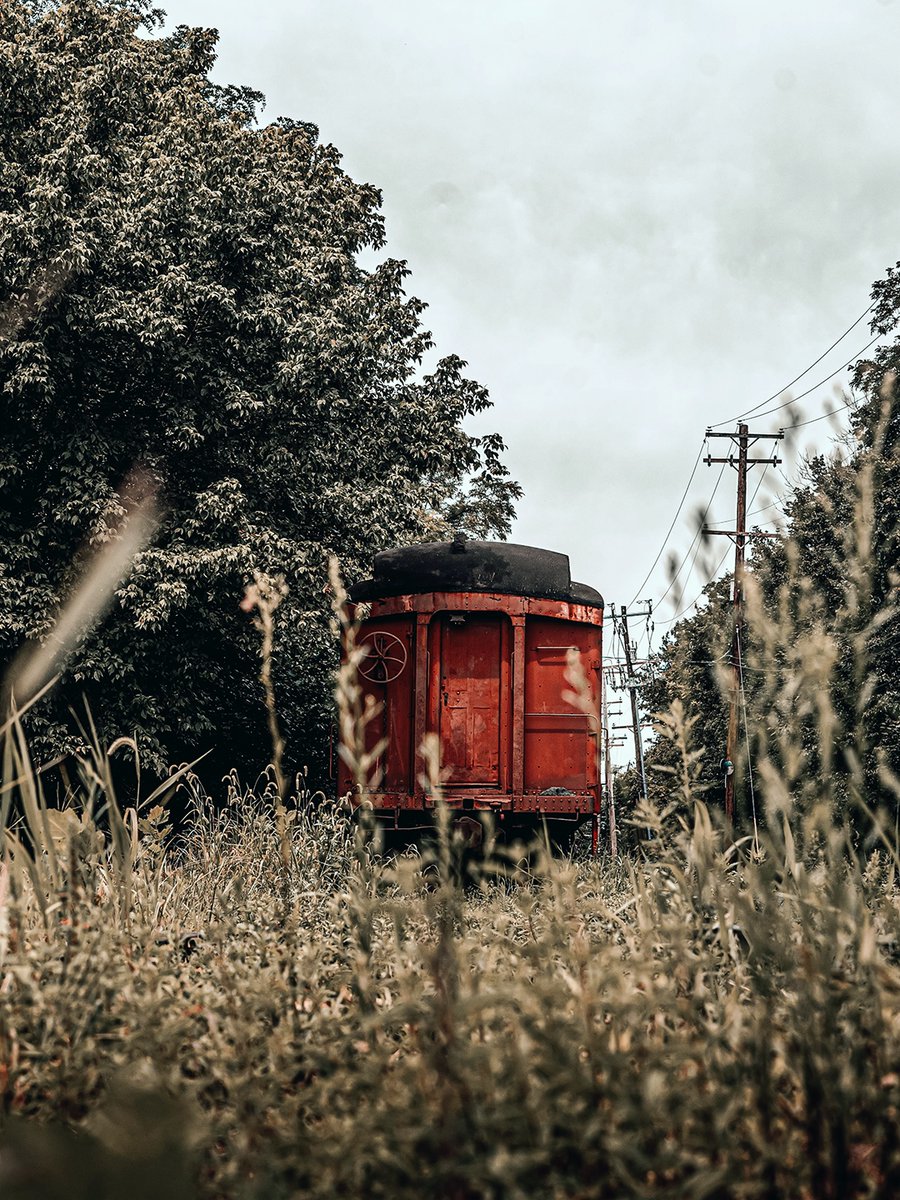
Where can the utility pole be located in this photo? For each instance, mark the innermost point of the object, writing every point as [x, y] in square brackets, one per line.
[743, 440]
[606, 712]
[611, 801]
[632, 686]
[608, 781]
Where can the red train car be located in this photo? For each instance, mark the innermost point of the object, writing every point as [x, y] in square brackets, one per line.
[468, 640]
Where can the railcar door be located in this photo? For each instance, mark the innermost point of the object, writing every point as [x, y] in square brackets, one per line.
[469, 725]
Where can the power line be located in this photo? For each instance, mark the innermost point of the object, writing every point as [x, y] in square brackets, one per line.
[824, 416]
[672, 526]
[716, 569]
[764, 508]
[824, 354]
[640, 639]
[693, 540]
[699, 596]
[706, 662]
[766, 412]
[687, 577]
[809, 391]
[752, 513]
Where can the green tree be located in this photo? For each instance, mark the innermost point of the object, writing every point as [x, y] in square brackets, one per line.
[689, 668]
[181, 290]
[834, 584]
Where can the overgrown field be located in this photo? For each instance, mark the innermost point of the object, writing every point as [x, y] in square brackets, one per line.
[256, 1013]
[261, 1006]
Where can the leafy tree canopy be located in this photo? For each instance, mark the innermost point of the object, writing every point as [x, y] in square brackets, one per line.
[181, 289]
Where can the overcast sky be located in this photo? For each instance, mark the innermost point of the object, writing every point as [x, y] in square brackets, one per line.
[631, 219]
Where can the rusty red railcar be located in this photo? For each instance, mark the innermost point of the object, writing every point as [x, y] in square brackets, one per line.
[469, 640]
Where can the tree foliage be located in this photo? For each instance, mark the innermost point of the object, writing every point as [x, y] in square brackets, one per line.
[181, 289]
[688, 669]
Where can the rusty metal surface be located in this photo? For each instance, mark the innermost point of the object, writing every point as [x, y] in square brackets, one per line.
[531, 803]
[486, 673]
[518, 705]
[469, 700]
[429, 602]
[560, 742]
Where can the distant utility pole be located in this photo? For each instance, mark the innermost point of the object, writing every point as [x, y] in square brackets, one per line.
[743, 439]
[608, 780]
[606, 712]
[631, 684]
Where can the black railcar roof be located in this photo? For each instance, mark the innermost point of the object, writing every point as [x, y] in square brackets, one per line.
[471, 566]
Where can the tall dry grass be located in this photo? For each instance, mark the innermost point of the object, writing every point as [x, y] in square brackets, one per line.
[266, 1007]
[697, 1023]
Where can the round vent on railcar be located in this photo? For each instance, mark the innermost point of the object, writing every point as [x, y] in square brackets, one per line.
[385, 657]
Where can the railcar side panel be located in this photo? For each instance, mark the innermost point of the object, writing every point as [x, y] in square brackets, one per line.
[560, 745]
[387, 674]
